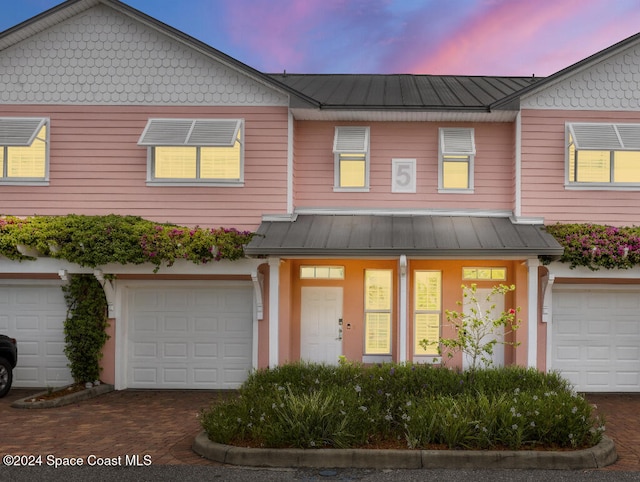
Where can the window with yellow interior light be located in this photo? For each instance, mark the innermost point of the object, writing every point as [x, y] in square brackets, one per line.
[377, 311]
[455, 160]
[601, 154]
[23, 150]
[351, 157]
[207, 151]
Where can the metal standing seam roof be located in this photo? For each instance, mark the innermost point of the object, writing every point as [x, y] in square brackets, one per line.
[404, 91]
[384, 235]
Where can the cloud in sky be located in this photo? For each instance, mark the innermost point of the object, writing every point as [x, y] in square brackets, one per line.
[474, 37]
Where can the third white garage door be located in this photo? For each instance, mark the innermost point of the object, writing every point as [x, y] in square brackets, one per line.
[596, 337]
[189, 336]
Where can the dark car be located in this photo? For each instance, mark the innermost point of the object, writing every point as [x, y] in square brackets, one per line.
[8, 361]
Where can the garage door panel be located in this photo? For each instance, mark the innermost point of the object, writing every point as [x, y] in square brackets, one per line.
[205, 376]
[596, 338]
[567, 353]
[629, 353]
[175, 350]
[205, 350]
[173, 324]
[598, 353]
[197, 343]
[34, 315]
[629, 379]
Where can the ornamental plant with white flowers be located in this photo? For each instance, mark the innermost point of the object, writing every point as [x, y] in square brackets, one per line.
[477, 329]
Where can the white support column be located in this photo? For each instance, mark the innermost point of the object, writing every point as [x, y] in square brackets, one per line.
[532, 312]
[402, 312]
[547, 316]
[274, 310]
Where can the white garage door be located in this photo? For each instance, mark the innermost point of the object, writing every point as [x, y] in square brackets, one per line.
[35, 315]
[596, 338]
[189, 336]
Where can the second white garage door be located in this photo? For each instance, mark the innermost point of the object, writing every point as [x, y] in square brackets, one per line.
[596, 337]
[189, 336]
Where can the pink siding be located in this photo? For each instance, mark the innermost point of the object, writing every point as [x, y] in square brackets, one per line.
[543, 173]
[96, 167]
[314, 167]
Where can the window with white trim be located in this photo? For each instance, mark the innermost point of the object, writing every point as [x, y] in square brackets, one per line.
[351, 157]
[427, 311]
[208, 151]
[377, 311]
[600, 154]
[24, 150]
[457, 150]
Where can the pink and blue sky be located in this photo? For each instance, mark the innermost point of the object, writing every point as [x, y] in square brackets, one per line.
[457, 37]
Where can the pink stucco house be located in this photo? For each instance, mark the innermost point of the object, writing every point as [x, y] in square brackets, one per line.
[377, 196]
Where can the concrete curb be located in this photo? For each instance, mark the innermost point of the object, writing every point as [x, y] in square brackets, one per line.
[595, 457]
[64, 400]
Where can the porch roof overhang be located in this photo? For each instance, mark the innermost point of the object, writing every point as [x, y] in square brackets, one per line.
[393, 235]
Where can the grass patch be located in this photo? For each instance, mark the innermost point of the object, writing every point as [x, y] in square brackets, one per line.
[414, 406]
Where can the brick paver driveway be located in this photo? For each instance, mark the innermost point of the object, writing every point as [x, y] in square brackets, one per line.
[163, 424]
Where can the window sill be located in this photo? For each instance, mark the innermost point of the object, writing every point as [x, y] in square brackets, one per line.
[601, 187]
[455, 191]
[350, 189]
[193, 184]
[24, 182]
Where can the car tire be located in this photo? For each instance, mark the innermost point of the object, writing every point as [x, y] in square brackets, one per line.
[6, 377]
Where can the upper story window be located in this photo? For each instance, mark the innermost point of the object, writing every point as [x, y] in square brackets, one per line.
[199, 151]
[351, 153]
[455, 159]
[23, 150]
[603, 155]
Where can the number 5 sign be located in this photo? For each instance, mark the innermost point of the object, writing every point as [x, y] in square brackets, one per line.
[403, 177]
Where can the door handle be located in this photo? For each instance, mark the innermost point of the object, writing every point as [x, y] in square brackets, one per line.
[339, 334]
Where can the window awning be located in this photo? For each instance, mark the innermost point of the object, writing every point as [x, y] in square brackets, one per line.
[19, 131]
[190, 132]
[351, 139]
[457, 141]
[392, 235]
[605, 136]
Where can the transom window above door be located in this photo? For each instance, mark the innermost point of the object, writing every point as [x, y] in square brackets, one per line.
[603, 155]
[198, 151]
[24, 150]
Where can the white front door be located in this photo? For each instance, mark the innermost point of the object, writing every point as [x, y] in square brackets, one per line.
[320, 324]
[493, 333]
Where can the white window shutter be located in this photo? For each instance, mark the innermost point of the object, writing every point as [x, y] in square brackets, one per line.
[457, 141]
[595, 136]
[629, 135]
[351, 139]
[190, 132]
[214, 132]
[19, 131]
[166, 132]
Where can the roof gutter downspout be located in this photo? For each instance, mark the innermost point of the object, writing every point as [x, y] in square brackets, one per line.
[402, 311]
[518, 168]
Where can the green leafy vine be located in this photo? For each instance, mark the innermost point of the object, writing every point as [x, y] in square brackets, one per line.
[98, 240]
[84, 327]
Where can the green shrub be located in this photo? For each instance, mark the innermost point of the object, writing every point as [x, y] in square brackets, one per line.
[314, 406]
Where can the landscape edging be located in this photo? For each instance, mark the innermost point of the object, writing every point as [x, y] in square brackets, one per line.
[598, 456]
